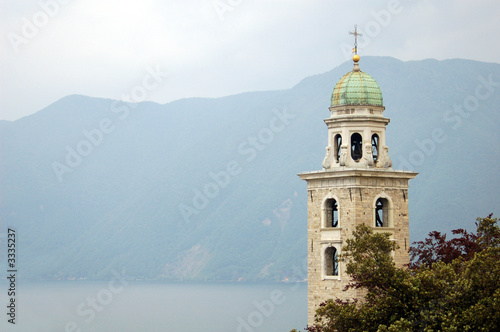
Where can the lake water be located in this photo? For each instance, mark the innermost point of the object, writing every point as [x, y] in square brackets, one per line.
[132, 306]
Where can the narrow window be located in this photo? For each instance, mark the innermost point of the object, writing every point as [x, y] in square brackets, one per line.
[331, 262]
[332, 213]
[338, 144]
[356, 146]
[375, 147]
[382, 213]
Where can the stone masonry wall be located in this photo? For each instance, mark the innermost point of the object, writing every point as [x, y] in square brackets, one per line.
[356, 198]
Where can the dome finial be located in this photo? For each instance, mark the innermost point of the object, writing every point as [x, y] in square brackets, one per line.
[355, 57]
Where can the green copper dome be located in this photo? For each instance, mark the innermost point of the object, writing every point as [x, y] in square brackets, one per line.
[357, 88]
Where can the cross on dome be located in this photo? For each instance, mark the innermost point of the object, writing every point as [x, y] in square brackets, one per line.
[356, 34]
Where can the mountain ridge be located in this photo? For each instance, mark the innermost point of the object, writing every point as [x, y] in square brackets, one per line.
[121, 206]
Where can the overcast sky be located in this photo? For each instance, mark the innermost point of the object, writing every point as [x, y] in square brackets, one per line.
[213, 48]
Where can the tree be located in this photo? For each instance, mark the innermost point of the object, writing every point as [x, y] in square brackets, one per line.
[450, 285]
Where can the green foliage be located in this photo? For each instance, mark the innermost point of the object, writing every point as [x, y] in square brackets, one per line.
[438, 294]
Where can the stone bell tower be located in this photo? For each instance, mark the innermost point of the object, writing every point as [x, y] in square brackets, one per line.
[357, 185]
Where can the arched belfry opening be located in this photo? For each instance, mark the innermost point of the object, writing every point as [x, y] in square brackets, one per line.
[382, 213]
[331, 262]
[338, 144]
[356, 146]
[375, 147]
[331, 213]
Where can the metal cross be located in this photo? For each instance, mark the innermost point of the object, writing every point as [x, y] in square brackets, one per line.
[356, 34]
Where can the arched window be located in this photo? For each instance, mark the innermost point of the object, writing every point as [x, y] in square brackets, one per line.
[356, 146]
[332, 213]
[375, 147]
[382, 213]
[331, 262]
[338, 144]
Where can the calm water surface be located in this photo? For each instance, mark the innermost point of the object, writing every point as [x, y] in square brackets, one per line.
[104, 306]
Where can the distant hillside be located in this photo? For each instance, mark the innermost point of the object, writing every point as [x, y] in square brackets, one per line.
[206, 189]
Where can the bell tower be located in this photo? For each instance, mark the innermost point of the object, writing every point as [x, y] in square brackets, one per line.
[356, 185]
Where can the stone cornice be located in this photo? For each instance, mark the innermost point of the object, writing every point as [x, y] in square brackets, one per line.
[346, 172]
[354, 119]
[357, 107]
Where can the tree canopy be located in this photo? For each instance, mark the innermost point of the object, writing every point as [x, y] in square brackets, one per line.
[450, 285]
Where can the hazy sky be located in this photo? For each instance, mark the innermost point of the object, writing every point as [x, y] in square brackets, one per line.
[172, 49]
